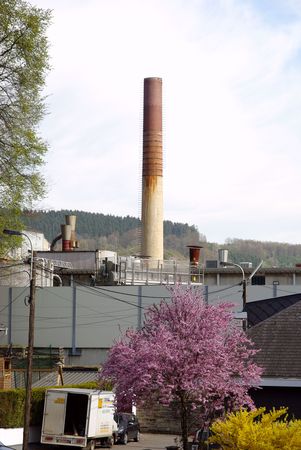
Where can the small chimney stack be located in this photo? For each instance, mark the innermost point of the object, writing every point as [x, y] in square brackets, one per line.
[66, 238]
[67, 235]
[71, 220]
[194, 259]
[194, 254]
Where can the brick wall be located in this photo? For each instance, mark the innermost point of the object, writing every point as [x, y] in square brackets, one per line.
[159, 419]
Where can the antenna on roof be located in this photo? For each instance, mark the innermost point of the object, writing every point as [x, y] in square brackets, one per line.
[255, 270]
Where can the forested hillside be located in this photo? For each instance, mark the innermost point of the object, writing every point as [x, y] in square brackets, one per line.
[122, 234]
[272, 253]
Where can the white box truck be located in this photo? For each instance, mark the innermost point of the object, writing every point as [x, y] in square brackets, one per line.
[79, 418]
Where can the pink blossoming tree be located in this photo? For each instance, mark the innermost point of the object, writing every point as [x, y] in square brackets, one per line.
[187, 352]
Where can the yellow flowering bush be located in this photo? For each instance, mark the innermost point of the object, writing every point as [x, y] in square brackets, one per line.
[257, 430]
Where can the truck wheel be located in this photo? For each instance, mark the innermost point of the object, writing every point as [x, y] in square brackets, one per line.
[91, 445]
[124, 440]
[137, 438]
[110, 441]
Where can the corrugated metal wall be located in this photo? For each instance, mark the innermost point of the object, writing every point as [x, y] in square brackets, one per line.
[92, 317]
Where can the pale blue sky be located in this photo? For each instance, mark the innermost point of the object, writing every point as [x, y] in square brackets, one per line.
[232, 107]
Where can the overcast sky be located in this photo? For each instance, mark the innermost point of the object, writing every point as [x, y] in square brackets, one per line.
[231, 73]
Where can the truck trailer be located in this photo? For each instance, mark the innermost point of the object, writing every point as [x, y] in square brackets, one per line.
[79, 418]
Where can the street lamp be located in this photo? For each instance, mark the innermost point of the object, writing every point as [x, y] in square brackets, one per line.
[20, 233]
[30, 345]
[223, 258]
[243, 282]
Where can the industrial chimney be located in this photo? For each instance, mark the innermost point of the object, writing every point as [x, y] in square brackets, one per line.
[152, 173]
[71, 220]
[66, 238]
[194, 259]
[68, 235]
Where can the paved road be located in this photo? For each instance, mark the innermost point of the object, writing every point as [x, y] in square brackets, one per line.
[147, 442]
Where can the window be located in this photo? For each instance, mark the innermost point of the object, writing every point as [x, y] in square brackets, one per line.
[258, 280]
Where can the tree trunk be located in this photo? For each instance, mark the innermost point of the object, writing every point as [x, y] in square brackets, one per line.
[184, 422]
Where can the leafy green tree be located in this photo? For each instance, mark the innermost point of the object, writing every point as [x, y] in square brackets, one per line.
[23, 67]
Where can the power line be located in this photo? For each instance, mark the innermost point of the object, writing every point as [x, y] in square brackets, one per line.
[13, 273]
[83, 306]
[100, 288]
[95, 291]
[225, 296]
[280, 290]
[11, 265]
[132, 295]
[224, 289]
[16, 298]
[109, 290]
[83, 324]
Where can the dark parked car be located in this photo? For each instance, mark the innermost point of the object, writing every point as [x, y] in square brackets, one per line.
[128, 427]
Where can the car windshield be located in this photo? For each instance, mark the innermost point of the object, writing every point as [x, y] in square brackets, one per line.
[120, 418]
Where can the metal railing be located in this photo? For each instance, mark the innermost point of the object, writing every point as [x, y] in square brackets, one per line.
[150, 272]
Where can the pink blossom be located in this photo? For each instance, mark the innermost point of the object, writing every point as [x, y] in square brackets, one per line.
[187, 352]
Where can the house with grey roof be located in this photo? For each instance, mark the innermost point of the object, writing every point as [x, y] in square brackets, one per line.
[68, 376]
[278, 338]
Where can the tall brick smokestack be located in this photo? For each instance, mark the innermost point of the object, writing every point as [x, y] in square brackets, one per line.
[152, 174]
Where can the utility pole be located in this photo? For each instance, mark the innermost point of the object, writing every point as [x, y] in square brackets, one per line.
[244, 302]
[27, 407]
[244, 293]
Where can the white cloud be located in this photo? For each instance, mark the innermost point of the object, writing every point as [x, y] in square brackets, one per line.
[232, 101]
